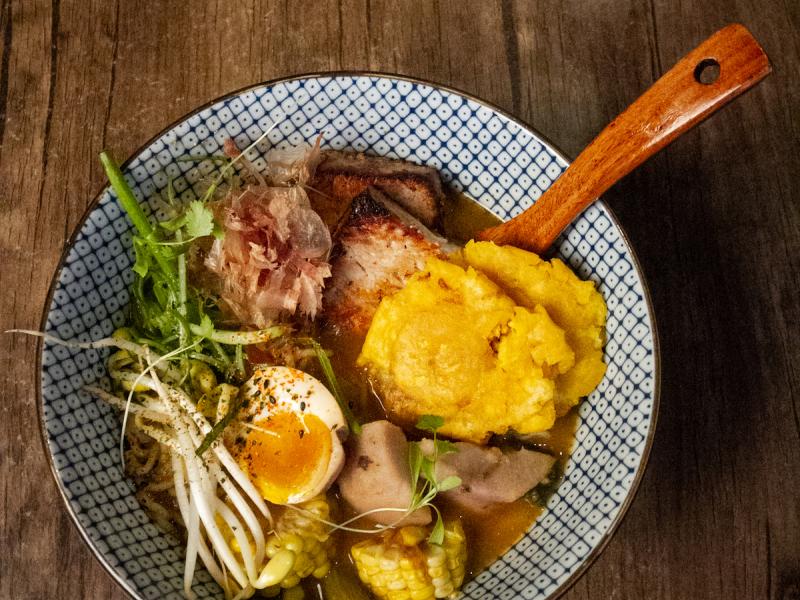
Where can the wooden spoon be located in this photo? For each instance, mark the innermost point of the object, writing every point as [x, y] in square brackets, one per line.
[724, 66]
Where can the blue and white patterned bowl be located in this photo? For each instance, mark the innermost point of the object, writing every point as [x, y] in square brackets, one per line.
[495, 159]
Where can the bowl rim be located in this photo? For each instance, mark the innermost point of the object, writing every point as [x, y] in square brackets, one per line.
[644, 461]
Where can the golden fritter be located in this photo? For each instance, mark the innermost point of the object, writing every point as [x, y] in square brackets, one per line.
[574, 305]
[452, 343]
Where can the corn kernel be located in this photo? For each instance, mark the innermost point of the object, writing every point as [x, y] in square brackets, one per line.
[306, 538]
[321, 570]
[392, 569]
[412, 536]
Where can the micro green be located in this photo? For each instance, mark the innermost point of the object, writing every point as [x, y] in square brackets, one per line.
[423, 473]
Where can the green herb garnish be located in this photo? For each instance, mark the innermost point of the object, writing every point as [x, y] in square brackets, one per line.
[333, 385]
[423, 473]
[131, 206]
[219, 427]
[430, 423]
[164, 305]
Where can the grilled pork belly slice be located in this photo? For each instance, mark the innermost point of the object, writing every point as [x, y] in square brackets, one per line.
[377, 248]
[341, 176]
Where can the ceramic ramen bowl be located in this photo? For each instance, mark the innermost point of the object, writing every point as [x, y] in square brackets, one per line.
[495, 159]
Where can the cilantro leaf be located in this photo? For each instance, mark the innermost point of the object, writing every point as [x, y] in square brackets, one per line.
[430, 423]
[206, 328]
[198, 220]
[166, 310]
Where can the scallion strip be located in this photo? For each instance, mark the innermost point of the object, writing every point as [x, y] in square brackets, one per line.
[333, 384]
[182, 294]
[218, 428]
[202, 157]
[129, 203]
[239, 359]
[217, 347]
[232, 338]
[214, 362]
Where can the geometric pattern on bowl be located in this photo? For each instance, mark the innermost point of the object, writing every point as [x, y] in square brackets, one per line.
[496, 160]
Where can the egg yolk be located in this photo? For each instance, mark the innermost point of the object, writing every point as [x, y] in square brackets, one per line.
[286, 455]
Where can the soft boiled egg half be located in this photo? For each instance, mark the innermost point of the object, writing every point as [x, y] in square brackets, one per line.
[290, 440]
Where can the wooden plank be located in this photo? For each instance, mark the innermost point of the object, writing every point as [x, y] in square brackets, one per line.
[56, 91]
[715, 220]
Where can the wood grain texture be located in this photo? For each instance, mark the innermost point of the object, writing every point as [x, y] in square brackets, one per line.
[678, 101]
[715, 219]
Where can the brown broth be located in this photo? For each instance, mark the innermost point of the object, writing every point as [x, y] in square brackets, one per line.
[463, 217]
[492, 532]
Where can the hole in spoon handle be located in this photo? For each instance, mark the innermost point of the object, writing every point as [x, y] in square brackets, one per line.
[707, 71]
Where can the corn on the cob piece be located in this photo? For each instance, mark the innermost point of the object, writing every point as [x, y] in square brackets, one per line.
[307, 537]
[404, 566]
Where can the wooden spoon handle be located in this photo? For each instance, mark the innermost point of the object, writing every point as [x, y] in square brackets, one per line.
[674, 104]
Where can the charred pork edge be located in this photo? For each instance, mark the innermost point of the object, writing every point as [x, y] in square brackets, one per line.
[359, 164]
[364, 166]
[374, 203]
[408, 219]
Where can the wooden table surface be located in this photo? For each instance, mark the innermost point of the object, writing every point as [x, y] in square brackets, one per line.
[715, 219]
